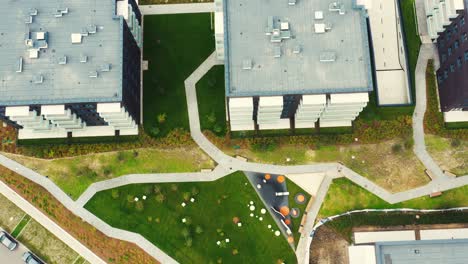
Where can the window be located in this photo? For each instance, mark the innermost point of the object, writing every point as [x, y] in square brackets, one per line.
[462, 21]
[464, 37]
[449, 51]
[449, 34]
[452, 68]
[455, 28]
[466, 55]
[444, 57]
[445, 75]
[459, 62]
[440, 78]
[456, 44]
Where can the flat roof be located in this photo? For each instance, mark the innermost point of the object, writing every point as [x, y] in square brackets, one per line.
[299, 60]
[451, 251]
[59, 74]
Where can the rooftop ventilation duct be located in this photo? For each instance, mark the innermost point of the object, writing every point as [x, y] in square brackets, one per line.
[247, 64]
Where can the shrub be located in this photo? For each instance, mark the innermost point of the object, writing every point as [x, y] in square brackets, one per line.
[455, 142]
[120, 156]
[397, 148]
[139, 206]
[195, 191]
[211, 118]
[115, 193]
[160, 198]
[185, 232]
[409, 143]
[174, 187]
[186, 196]
[198, 230]
[188, 242]
[155, 131]
[157, 189]
[162, 118]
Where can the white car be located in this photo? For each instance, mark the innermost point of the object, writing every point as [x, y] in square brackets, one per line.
[8, 241]
[30, 258]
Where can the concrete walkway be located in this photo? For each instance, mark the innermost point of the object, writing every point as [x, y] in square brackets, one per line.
[50, 225]
[177, 9]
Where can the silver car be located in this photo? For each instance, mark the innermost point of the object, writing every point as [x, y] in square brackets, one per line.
[30, 258]
[8, 241]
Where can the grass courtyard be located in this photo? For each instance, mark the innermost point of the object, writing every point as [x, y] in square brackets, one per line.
[212, 217]
[74, 175]
[175, 45]
[450, 154]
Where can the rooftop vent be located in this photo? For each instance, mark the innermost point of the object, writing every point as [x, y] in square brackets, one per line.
[92, 29]
[40, 35]
[62, 60]
[93, 74]
[319, 28]
[327, 56]
[76, 38]
[33, 12]
[297, 49]
[38, 79]
[28, 20]
[277, 52]
[84, 32]
[83, 58]
[337, 7]
[59, 12]
[105, 67]
[291, 2]
[247, 64]
[19, 65]
[318, 15]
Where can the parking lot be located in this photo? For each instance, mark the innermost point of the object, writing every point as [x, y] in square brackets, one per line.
[12, 257]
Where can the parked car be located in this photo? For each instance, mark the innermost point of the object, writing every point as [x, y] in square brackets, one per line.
[30, 258]
[8, 241]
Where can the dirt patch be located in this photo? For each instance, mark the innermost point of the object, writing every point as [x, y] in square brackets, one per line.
[328, 247]
[10, 214]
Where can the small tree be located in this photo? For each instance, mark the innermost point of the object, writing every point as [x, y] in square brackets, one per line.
[188, 242]
[115, 193]
[198, 230]
[195, 191]
[155, 131]
[211, 118]
[162, 118]
[185, 232]
[157, 188]
[455, 143]
[174, 187]
[397, 148]
[160, 198]
[139, 206]
[186, 196]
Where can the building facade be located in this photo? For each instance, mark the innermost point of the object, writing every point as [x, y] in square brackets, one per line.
[293, 64]
[448, 28]
[71, 69]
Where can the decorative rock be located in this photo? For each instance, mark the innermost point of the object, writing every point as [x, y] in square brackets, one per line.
[251, 215]
[183, 204]
[256, 216]
[269, 226]
[218, 243]
[264, 181]
[288, 159]
[353, 157]
[184, 220]
[251, 202]
[144, 197]
[227, 240]
[356, 139]
[192, 199]
[239, 224]
[259, 186]
[260, 218]
[277, 233]
[263, 211]
[136, 199]
[252, 208]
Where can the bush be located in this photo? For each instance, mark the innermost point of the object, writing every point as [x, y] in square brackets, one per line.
[139, 206]
[185, 232]
[162, 118]
[157, 189]
[263, 144]
[160, 198]
[198, 230]
[186, 196]
[188, 242]
[455, 142]
[115, 193]
[397, 148]
[409, 143]
[155, 131]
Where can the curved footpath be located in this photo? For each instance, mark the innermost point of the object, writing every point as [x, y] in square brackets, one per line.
[228, 164]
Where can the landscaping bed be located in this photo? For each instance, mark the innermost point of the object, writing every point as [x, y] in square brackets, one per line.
[450, 154]
[190, 233]
[74, 175]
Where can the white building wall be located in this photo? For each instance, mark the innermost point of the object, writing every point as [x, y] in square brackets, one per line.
[126, 10]
[439, 13]
[219, 29]
[342, 109]
[269, 113]
[309, 110]
[456, 116]
[241, 113]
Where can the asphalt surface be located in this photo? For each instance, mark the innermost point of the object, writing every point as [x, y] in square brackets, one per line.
[12, 257]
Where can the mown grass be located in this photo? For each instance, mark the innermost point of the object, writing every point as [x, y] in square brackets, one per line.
[175, 45]
[159, 219]
[21, 226]
[345, 195]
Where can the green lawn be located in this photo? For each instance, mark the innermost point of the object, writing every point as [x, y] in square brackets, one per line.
[345, 195]
[175, 45]
[159, 219]
[413, 42]
[211, 101]
[21, 225]
[74, 175]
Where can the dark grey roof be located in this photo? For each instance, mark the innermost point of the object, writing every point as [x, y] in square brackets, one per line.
[59, 74]
[345, 42]
[423, 252]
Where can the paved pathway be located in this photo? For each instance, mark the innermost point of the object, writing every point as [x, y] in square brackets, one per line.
[50, 225]
[177, 8]
[228, 164]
